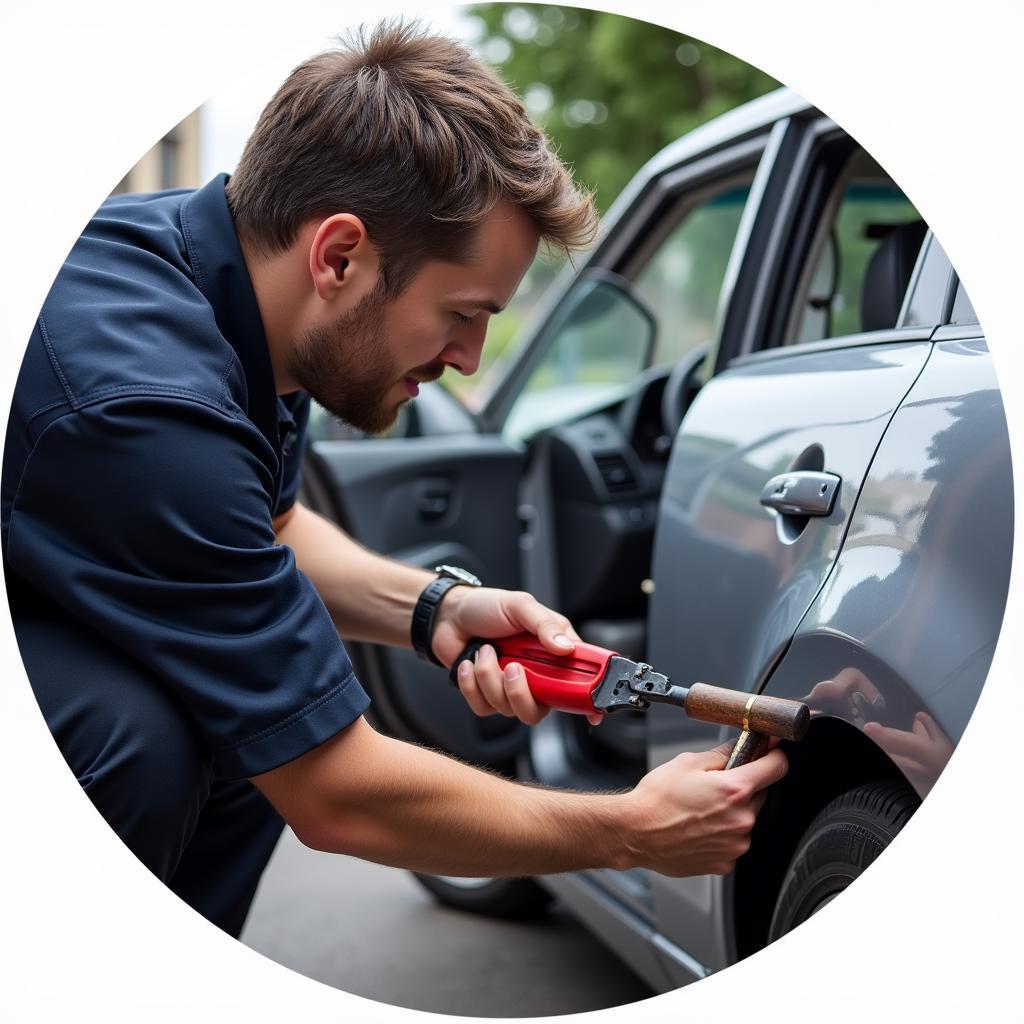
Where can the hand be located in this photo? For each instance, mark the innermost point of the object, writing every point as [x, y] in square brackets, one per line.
[849, 694]
[920, 753]
[692, 818]
[490, 614]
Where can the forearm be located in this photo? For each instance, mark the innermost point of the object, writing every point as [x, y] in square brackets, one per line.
[409, 807]
[368, 596]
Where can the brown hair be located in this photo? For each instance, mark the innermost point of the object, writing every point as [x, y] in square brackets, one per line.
[413, 135]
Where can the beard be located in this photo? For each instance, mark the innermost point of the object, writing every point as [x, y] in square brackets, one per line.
[348, 367]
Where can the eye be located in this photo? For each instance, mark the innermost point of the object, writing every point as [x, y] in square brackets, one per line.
[461, 318]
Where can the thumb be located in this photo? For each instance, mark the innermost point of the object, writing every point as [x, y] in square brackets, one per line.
[714, 760]
[765, 771]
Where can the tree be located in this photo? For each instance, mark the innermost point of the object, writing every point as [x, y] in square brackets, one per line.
[610, 91]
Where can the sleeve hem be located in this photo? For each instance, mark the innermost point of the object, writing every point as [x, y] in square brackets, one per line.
[296, 735]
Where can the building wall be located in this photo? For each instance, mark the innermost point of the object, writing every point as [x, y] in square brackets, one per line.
[172, 163]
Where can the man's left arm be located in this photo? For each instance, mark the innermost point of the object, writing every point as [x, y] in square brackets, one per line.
[371, 598]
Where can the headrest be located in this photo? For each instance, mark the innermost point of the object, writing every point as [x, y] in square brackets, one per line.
[888, 274]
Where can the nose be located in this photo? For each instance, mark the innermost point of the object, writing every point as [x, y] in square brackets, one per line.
[463, 351]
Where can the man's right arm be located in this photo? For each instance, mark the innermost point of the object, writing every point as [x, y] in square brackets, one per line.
[380, 799]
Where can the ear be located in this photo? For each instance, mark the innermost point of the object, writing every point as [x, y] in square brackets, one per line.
[342, 261]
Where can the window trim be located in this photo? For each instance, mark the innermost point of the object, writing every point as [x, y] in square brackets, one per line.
[618, 250]
[892, 336]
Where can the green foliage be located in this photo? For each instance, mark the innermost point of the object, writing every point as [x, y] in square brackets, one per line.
[608, 90]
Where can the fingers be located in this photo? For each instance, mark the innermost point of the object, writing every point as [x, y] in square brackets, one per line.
[554, 631]
[523, 705]
[470, 690]
[763, 772]
[489, 689]
[714, 760]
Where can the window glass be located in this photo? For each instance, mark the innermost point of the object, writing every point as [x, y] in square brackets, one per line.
[927, 301]
[872, 211]
[674, 300]
[600, 342]
[963, 311]
[682, 282]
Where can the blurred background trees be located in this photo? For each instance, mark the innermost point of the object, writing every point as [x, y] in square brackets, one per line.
[610, 92]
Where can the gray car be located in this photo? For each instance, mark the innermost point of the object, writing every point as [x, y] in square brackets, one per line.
[756, 440]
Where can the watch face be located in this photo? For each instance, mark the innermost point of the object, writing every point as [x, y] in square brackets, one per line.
[454, 572]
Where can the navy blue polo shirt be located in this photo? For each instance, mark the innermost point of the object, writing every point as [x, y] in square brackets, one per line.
[146, 455]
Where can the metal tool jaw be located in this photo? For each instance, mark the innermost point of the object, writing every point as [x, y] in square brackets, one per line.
[634, 686]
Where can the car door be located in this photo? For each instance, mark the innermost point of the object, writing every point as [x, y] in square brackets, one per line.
[815, 359]
[437, 491]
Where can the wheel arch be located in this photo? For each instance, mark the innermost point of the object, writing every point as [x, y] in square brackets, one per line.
[833, 758]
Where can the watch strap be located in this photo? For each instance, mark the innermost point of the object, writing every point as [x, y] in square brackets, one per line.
[424, 614]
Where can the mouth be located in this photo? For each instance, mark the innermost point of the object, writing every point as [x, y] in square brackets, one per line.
[411, 386]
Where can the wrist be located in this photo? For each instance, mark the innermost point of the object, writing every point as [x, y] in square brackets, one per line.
[627, 818]
[450, 608]
[435, 601]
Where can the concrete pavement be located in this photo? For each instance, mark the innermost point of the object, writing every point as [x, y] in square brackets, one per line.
[375, 932]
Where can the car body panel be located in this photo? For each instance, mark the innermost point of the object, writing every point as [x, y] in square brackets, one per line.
[730, 589]
[911, 613]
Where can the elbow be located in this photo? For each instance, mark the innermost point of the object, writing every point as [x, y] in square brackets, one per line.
[324, 833]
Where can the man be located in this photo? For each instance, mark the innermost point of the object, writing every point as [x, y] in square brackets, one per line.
[178, 611]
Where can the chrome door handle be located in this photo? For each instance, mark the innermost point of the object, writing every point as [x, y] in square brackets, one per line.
[802, 493]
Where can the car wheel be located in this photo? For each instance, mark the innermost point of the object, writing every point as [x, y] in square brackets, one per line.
[840, 844]
[495, 897]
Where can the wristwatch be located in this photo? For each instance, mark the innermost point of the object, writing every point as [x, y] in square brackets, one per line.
[425, 612]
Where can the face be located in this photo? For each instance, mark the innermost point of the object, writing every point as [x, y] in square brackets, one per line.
[368, 361]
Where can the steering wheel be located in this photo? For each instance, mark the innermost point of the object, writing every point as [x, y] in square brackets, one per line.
[679, 390]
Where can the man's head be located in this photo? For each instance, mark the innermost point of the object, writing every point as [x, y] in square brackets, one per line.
[398, 191]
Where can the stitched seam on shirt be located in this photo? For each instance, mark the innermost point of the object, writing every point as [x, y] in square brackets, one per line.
[157, 390]
[200, 276]
[54, 362]
[186, 233]
[293, 718]
[224, 377]
[46, 408]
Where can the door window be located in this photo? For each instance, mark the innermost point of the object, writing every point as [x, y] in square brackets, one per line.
[860, 263]
[671, 307]
[963, 310]
[682, 282]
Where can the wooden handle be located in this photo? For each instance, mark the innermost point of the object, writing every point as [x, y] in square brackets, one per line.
[770, 716]
[749, 747]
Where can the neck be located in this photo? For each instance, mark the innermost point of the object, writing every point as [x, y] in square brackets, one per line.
[277, 284]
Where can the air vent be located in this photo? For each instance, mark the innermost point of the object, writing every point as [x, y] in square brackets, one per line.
[615, 473]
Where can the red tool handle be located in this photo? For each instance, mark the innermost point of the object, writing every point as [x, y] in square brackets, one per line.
[564, 682]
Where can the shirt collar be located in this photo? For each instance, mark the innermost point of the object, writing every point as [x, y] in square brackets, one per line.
[223, 278]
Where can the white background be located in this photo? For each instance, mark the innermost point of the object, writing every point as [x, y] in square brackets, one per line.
[933, 930]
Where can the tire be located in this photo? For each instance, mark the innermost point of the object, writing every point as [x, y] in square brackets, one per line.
[840, 844]
[494, 897]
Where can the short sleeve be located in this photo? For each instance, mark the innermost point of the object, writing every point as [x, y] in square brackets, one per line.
[150, 520]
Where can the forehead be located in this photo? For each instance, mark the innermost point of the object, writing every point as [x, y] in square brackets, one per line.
[503, 248]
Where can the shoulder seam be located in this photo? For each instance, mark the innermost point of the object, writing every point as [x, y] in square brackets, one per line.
[155, 391]
[54, 362]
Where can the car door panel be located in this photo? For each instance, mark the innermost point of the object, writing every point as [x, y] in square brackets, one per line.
[732, 581]
[909, 617]
[427, 501]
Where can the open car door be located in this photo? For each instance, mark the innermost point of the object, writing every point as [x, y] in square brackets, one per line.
[449, 496]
